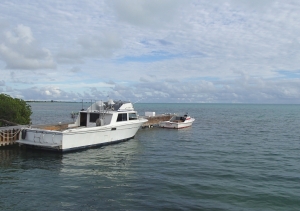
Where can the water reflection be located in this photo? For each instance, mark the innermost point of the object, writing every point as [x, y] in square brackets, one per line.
[109, 161]
[42, 179]
[7, 155]
[16, 158]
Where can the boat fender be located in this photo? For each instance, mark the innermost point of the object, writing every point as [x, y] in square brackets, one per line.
[24, 133]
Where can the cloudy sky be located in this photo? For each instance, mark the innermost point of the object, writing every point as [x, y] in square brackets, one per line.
[221, 51]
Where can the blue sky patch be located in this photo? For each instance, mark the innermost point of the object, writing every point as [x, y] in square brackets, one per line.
[156, 57]
[289, 74]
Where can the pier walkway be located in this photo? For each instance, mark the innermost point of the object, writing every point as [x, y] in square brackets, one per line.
[154, 120]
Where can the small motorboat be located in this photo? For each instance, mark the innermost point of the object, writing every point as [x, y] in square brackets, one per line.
[177, 122]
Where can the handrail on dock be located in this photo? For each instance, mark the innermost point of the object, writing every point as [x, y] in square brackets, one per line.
[9, 135]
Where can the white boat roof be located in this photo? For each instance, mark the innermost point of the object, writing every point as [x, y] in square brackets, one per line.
[111, 106]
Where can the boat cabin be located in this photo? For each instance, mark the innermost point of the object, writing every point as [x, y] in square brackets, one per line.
[178, 119]
[105, 113]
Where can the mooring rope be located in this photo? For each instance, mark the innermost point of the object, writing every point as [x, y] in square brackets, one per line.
[2, 133]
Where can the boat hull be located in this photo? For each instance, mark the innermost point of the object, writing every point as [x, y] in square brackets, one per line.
[176, 125]
[75, 139]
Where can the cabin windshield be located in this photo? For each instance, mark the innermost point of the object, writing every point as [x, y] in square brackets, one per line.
[122, 117]
[132, 116]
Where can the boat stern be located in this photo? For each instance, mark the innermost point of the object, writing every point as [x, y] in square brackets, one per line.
[40, 138]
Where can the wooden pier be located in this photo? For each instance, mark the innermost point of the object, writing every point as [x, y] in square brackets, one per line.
[154, 120]
[9, 135]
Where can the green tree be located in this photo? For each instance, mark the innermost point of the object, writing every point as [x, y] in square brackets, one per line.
[14, 111]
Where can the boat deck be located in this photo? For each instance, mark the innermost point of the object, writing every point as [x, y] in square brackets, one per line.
[56, 127]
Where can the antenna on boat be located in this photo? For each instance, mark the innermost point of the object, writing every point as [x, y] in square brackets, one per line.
[138, 101]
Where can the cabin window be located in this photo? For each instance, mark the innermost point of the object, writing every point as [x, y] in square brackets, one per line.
[132, 116]
[122, 117]
[94, 117]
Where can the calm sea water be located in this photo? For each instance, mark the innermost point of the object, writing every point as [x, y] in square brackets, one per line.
[234, 157]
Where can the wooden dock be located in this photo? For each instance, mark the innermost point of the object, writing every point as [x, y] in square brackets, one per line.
[9, 135]
[154, 120]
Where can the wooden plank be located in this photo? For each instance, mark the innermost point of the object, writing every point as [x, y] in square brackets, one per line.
[154, 120]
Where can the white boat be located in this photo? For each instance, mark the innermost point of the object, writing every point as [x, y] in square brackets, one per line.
[101, 124]
[177, 122]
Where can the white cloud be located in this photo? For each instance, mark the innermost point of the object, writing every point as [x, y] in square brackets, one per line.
[91, 46]
[155, 13]
[19, 50]
[256, 5]
[48, 93]
[75, 69]
[22, 34]
[69, 56]
[240, 90]
[164, 50]
[9, 89]
[103, 44]
[148, 78]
